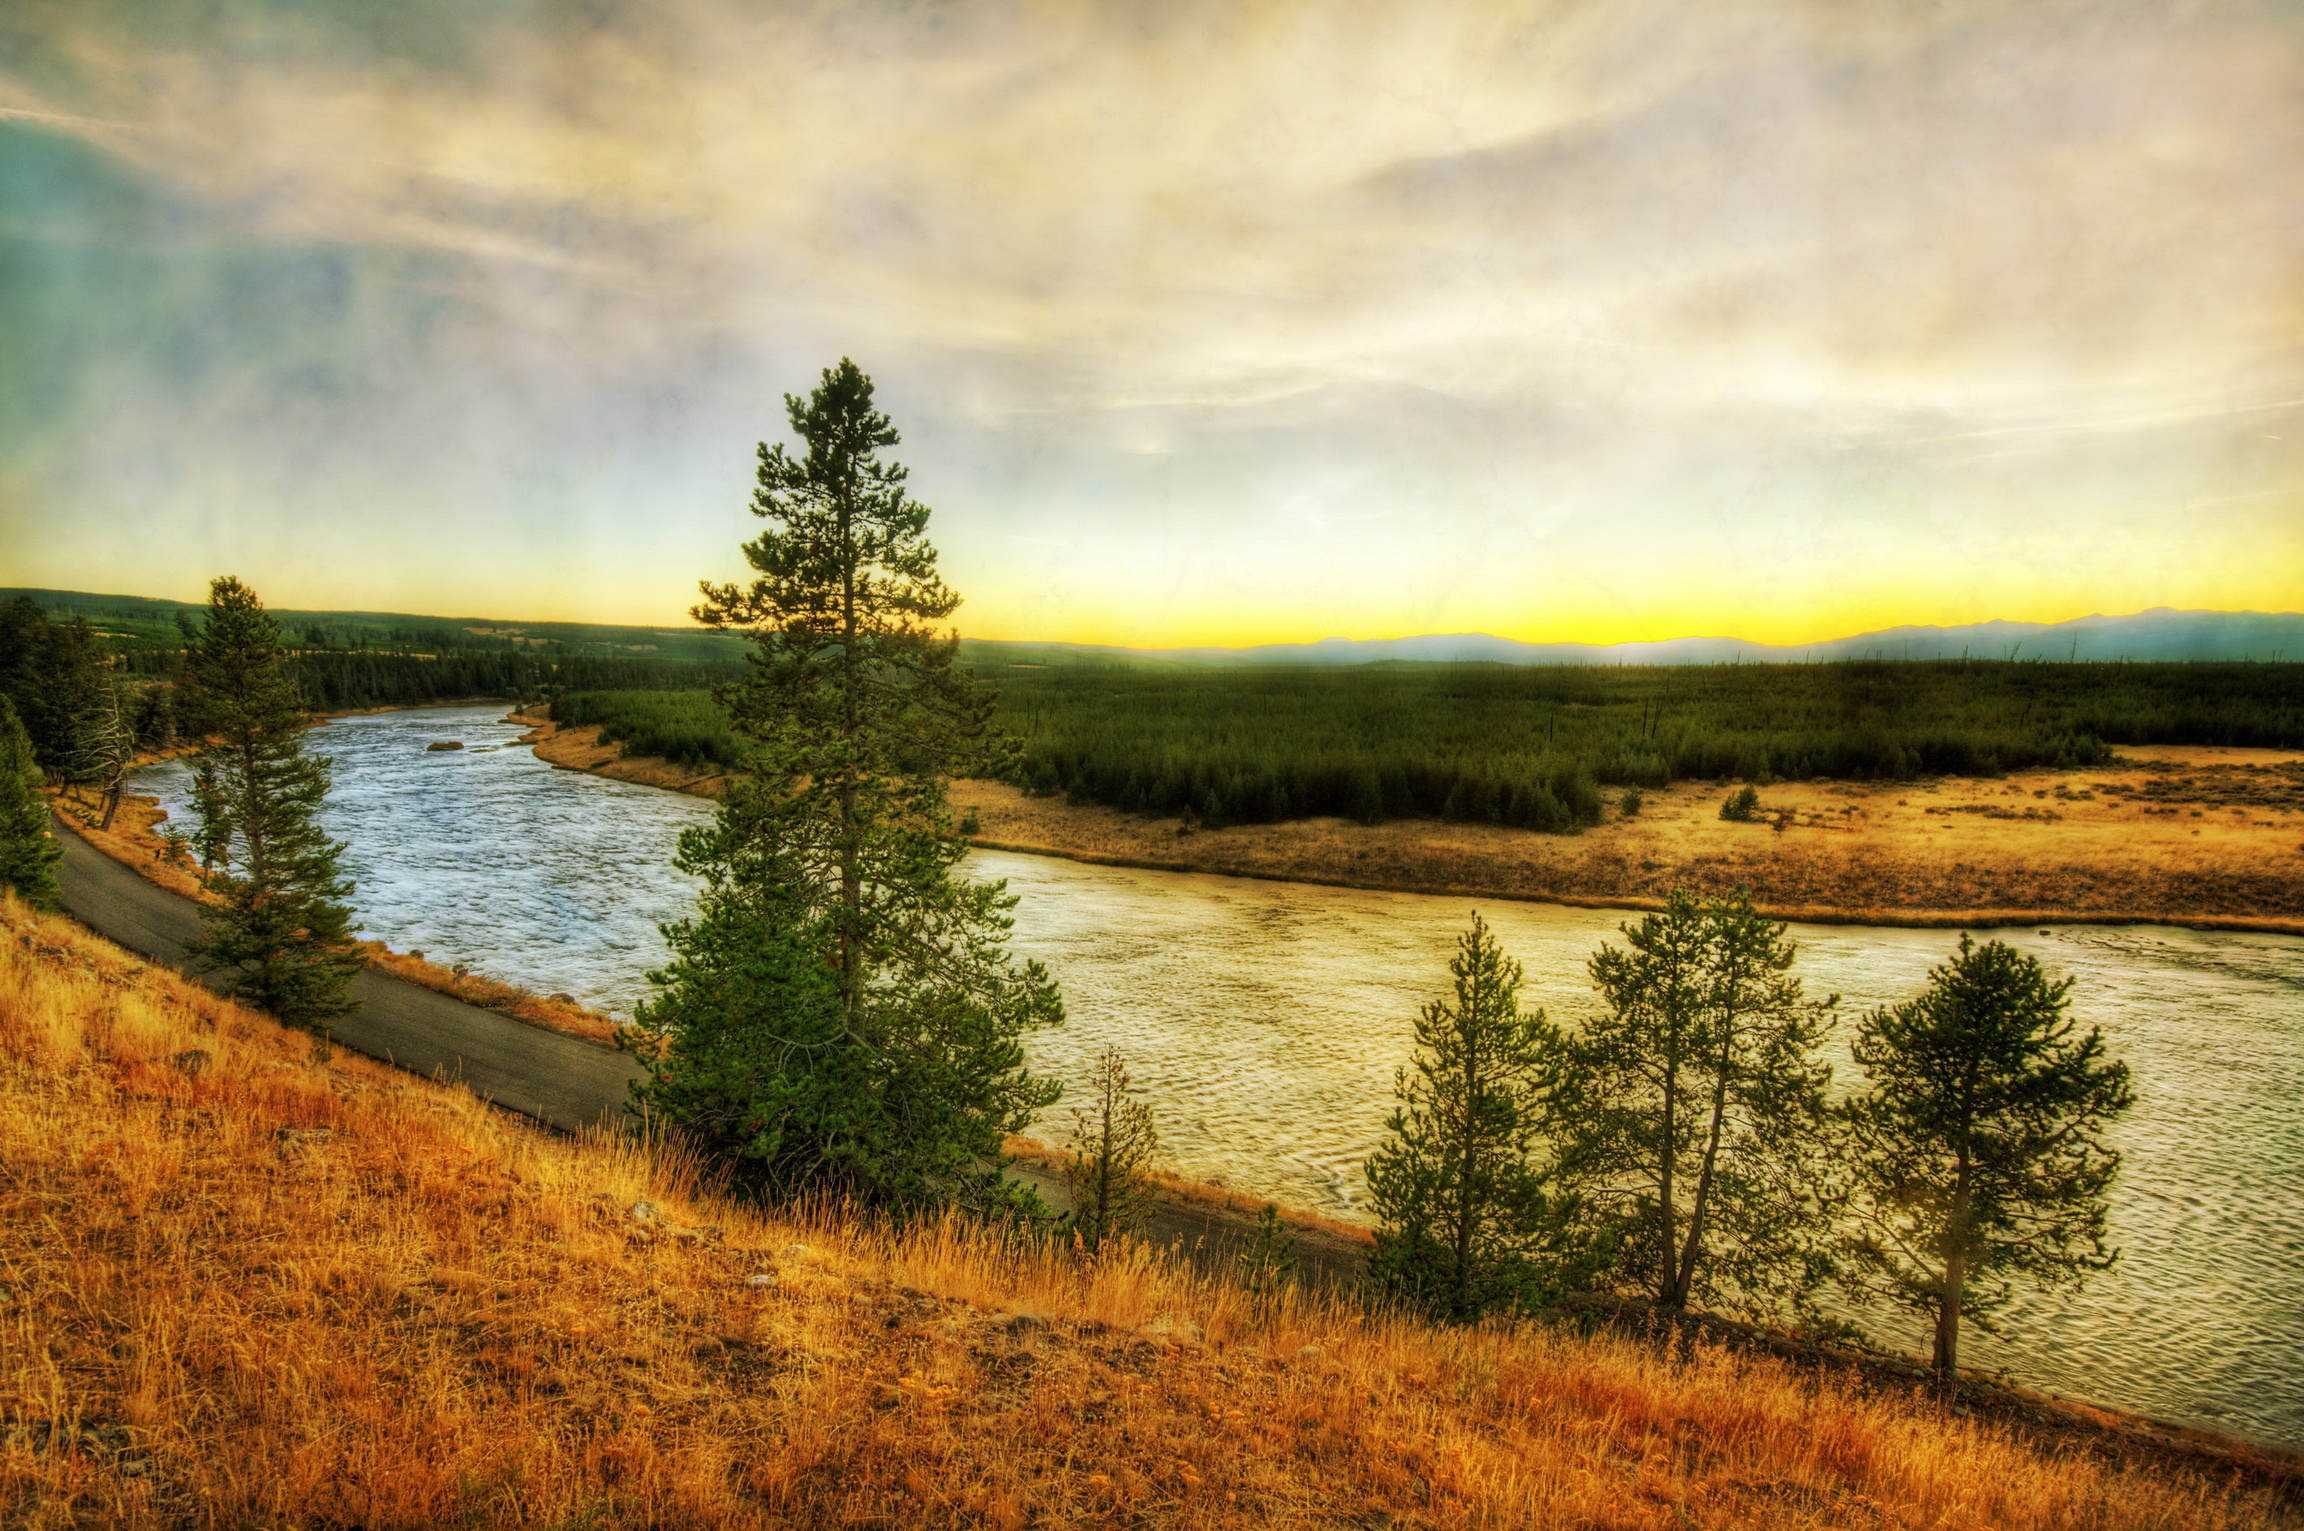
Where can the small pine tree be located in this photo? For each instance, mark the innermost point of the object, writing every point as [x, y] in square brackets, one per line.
[1113, 1141]
[1630, 803]
[1978, 1143]
[1267, 1260]
[1743, 805]
[28, 849]
[278, 931]
[1467, 1225]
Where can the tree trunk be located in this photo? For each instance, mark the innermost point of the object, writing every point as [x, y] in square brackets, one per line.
[1946, 1359]
[851, 873]
[1665, 1240]
[1466, 1213]
[1684, 1274]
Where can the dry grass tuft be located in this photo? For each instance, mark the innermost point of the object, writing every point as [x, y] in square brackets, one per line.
[242, 1285]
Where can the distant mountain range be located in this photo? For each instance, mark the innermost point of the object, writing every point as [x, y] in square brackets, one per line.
[2159, 634]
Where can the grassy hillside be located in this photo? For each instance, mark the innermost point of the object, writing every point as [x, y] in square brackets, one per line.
[241, 1285]
[1537, 747]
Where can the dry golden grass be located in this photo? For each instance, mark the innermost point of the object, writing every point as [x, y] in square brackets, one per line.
[134, 840]
[240, 1285]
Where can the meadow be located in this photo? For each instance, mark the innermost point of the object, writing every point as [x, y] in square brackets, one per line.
[272, 1286]
[1540, 747]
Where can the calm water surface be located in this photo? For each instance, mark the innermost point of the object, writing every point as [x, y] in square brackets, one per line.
[1266, 1020]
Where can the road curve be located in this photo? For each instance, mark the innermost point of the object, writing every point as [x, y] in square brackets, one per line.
[562, 1081]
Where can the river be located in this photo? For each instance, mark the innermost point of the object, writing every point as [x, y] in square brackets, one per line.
[1265, 1020]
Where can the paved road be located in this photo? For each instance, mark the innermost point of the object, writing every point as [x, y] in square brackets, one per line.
[562, 1081]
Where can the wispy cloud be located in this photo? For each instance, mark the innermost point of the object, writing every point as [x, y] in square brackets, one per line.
[1835, 314]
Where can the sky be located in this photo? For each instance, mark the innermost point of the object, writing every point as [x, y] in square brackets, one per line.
[1598, 320]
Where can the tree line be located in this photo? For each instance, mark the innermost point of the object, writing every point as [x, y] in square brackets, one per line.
[1533, 746]
[1683, 1145]
[276, 930]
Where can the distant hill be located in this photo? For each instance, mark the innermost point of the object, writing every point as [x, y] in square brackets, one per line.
[149, 621]
[2159, 634]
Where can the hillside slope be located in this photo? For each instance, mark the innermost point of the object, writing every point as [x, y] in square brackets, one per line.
[241, 1283]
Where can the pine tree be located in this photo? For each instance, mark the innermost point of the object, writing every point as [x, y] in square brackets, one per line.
[1979, 1153]
[1113, 1141]
[1267, 1260]
[278, 931]
[1698, 1109]
[831, 861]
[1467, 1224]
[28, 849]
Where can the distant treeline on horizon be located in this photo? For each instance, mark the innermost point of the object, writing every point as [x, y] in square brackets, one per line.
[1536, 746]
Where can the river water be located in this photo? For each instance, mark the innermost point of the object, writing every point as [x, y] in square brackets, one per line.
[1265, 1021]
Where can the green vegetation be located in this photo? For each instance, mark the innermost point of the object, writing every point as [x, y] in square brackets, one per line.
[132, 623]
[687, 726]
[1531, 746]
[1113, 1141]
[1678, 1146]
[841, 1015]
[1267, 1260]
[28, 849]
[1695, 1110]
[1462, 1191]
[1979, 1141]
[278, 931]
[337, 661]
[1491, 744]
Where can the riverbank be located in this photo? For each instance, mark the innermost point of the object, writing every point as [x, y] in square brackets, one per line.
[395, 1303]
[580, 748]
[2210, 838]
[136, 841]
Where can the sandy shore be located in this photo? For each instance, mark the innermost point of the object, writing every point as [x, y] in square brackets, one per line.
[2203, 837]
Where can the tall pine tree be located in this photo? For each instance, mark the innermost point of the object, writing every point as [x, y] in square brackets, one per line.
[880, 1053]
[1466, 1223]
[28, 848]
[1979, 1151]
[1697, 1113]
[277, 931]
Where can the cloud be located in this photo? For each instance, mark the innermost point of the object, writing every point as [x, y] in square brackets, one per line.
[1271, 277]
